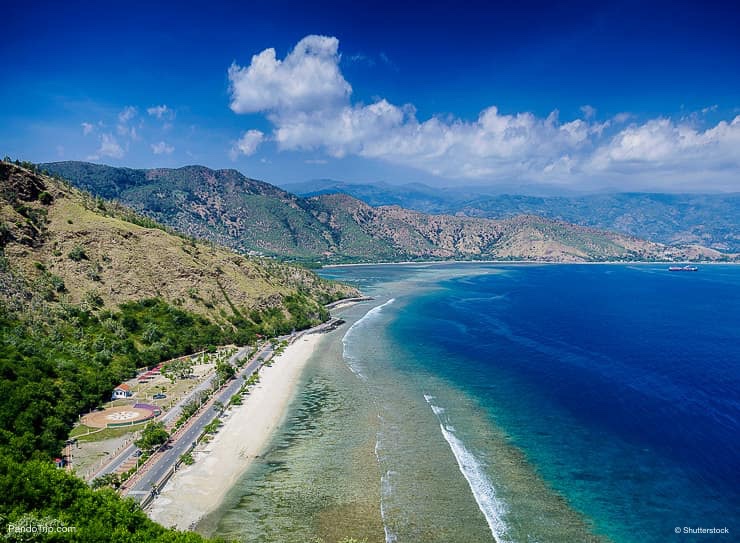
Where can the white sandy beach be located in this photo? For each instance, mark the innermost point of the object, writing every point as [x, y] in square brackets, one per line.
[197, 490]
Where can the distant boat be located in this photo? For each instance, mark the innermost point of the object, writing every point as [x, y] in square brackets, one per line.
[683, 268]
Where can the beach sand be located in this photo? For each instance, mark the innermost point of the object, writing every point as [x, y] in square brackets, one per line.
[196, 490]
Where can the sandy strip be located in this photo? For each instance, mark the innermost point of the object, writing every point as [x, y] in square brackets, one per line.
[196, 490]
[348, 303]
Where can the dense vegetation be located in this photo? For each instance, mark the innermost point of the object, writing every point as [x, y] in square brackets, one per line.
[52, 368]
[35, 493]
[61, 355]
[56, 367]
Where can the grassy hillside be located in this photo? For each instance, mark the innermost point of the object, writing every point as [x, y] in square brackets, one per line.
[90, 291]
[96, 249]
[228, 208]
[222, 206]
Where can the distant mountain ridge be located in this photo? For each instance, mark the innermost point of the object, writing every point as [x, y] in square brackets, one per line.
[712, 220]
[249, 215]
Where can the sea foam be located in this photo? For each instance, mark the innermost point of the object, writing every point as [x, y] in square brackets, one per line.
[354, 364]
[386, 485]
[480, 485]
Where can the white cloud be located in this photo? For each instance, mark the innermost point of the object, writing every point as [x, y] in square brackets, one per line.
[664, 145]
[109, 147]
[309, 104]
[247, 144]
[161, 112]
[128, 113]
[621, 118]
[124, 117]
[162, 148]
[588, 111]
[87, 128]
[307, 79]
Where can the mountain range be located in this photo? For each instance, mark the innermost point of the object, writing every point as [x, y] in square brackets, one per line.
[75, 248]
[247, 215]
[712, 220]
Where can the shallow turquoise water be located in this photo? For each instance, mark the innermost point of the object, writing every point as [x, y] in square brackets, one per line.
[526, 403]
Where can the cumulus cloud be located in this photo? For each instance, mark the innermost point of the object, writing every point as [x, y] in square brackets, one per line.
[662, 144]
[162, 148]
[309, 103]
[308, 78]
[87, 128]
[162, 113]
[247, 144]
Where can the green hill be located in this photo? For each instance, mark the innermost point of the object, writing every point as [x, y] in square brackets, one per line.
[90, 291]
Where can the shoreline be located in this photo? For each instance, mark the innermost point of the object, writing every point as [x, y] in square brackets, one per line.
[533, 262]
[197, 490]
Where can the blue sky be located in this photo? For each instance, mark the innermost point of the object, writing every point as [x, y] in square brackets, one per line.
[582, 96]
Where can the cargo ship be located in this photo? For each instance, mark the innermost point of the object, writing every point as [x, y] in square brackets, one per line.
[683, 268]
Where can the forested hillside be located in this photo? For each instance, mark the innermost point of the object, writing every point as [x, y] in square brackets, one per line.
[90, 291]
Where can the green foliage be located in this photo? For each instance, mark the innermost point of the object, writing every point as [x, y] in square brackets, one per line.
[45, 198]
[152, 437]
[109, 479]
[187, 459]
[5, 234]
[212, 427]
[77, 253]
[55, 368]
[224, 371]
[189, 409]
[36, 491]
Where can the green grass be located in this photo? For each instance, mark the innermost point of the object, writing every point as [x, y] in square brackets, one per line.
[107, 433]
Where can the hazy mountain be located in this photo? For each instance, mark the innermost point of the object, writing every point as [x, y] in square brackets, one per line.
[712, 220]
[245, 214]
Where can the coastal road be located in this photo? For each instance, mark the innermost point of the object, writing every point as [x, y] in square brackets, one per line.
[163, 464]
[166, 459]
[167, 418]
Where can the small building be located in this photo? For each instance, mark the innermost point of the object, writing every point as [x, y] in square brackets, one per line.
[121, 391]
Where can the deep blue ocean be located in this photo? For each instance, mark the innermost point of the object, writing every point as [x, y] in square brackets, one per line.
[619, 384]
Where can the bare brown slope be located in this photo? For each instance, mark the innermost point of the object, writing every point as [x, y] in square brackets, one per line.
[526, 237]
[54, 234]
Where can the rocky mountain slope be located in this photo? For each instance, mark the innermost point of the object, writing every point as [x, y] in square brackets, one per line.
[712, 220]
[416, 235]
[80, 249]
[249, 215]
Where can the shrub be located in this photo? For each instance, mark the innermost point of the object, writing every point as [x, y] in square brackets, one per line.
[77, 253]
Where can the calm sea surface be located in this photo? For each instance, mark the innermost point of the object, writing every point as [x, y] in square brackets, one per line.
[553, 403]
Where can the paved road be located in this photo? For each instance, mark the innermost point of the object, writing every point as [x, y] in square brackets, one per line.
[143, 486]
[168, 417]
[164, 461]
